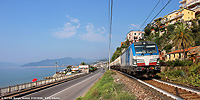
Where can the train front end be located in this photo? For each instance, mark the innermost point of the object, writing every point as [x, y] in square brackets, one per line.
[146, 59]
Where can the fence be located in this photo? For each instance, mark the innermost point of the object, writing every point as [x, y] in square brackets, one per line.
[18, 87]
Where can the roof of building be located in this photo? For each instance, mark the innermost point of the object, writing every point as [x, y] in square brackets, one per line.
[135, 31]
[178, 51]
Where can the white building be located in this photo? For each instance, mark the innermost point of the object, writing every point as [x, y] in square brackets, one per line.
[135, 36]
[84, 68]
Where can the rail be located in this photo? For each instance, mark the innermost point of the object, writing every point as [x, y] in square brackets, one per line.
[170, 90]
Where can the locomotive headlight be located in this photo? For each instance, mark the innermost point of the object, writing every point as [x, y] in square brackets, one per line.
[158, 61]
[134, 62]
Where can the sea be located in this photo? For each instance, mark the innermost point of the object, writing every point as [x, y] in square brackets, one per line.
[18, 75]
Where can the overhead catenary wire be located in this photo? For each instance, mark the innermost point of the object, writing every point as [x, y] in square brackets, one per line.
[149, 15]
[110, 20]
[160, 11]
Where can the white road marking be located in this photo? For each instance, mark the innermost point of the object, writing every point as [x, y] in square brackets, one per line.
[74, 85]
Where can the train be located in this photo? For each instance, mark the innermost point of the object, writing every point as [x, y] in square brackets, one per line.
[140, 59]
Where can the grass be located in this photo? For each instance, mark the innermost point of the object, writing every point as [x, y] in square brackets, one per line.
[106, 89]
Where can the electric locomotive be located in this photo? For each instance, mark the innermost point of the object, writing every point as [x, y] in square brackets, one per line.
[141, 59]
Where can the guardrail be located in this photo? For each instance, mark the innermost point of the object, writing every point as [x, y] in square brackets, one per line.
[19, 87]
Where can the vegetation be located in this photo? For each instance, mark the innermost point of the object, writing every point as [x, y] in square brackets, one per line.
[118, 51]
[170, 28]
[178, 62]
[168, 47]
[106, 89]
[182, 37]
[185, 75]
[147, 31]
[69, 66]
[83, 63]
[91, 68]
[196, 30]
[179, 35]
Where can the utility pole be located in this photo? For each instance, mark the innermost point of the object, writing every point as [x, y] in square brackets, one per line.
[56, 66]
[110, 15]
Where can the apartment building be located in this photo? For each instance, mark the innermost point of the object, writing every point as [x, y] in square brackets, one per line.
[182, 15]
[135, 36]
[191, 5]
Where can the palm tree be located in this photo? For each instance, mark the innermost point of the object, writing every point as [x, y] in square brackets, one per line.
[182, 37]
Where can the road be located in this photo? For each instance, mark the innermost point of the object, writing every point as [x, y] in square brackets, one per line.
[69, 90]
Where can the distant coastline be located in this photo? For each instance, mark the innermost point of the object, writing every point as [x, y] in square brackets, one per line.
[41, 66]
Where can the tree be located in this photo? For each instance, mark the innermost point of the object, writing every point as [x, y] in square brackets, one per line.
[170, 28]
[149, 38]
[147, 31]
[83, 63]
[126, 44]
[168, 47]
[182, 37]
[196, 31]
[158, 24]
[69, 66]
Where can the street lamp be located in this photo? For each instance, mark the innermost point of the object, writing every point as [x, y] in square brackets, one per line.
[56, 66]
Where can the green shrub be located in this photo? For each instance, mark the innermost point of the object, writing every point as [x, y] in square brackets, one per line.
[189, 75]
[178, 62]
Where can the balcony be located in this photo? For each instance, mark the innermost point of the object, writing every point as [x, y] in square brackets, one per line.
[175, 17]
[182, 1]
[182, 6]
[195, 7]
[192, 4]
[195, 2]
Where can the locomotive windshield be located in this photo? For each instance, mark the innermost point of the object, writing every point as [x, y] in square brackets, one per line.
[139, 49]
[151, 48]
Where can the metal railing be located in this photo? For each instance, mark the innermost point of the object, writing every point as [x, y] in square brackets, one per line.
[19, 87]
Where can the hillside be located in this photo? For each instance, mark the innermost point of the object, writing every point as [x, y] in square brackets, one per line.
[61, 61]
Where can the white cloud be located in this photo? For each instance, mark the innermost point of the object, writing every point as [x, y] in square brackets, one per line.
[75, 20]
[90, 28]
[69, 29]
[134, 26]
[101, 30]
[93, 35]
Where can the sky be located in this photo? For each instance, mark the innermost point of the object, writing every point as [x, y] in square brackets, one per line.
[34, 30]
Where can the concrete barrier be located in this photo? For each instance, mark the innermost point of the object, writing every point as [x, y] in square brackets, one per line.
[20, 87]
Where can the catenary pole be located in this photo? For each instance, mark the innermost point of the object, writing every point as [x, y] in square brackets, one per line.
[110, 15]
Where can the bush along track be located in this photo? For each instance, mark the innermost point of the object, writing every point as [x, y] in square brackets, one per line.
[106, 89]
[189, 76]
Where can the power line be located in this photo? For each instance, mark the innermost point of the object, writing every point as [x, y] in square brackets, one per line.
[110, 15]
[149, 15]
[160, 11]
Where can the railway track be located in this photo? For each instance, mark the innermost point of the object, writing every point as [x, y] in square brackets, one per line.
[167, 89]
[175, 90]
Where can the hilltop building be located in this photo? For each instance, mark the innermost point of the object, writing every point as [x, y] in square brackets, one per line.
[135, 36]
[191, 5]
[182, 15]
